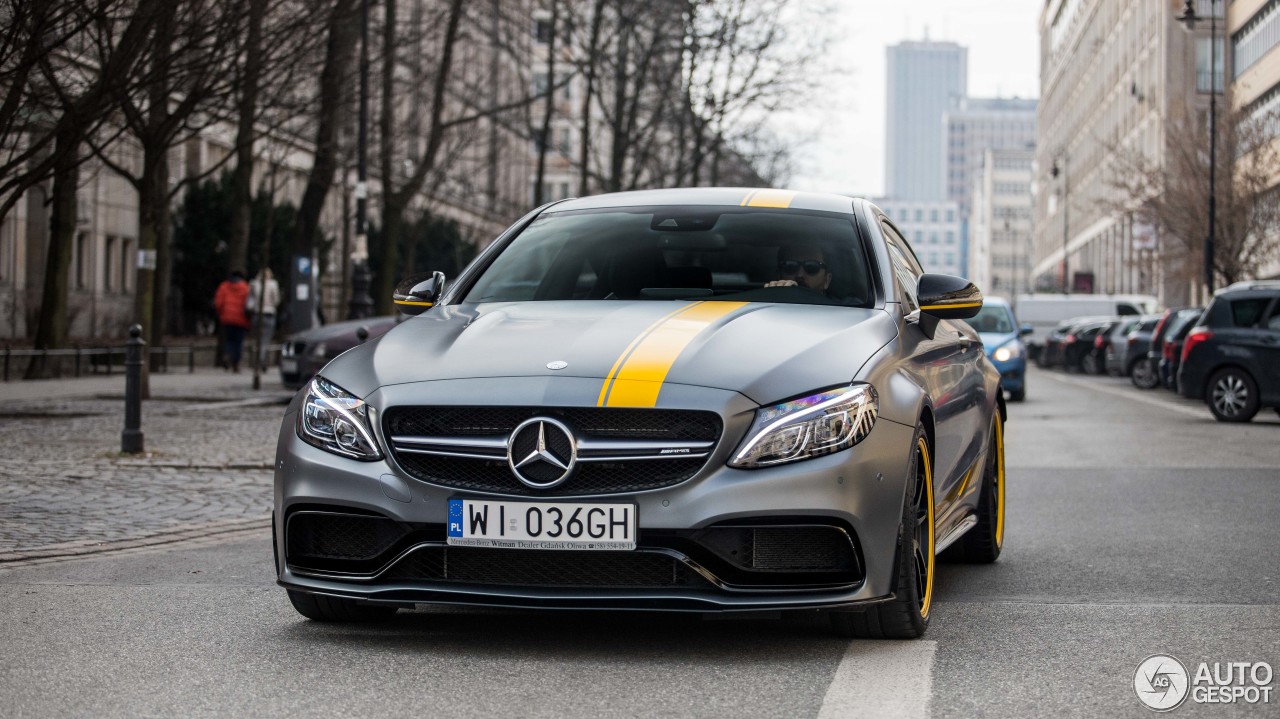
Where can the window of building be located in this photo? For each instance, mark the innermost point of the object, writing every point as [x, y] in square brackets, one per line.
[1255, 39]
[83, 261]
[542, 29]
[933, 215]
[919, 215]
[127, 264]
[1208, 80]
[109, 272]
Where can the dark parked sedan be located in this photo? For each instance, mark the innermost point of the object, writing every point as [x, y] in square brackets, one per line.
[1180, 324]
[687, 400]
[1231, 358]
[304, 353]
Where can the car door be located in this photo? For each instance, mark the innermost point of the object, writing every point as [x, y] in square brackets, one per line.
[948, 365]
[1266, 341]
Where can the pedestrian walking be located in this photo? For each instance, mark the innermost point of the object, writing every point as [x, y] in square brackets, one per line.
[230, 301]
[264, 300]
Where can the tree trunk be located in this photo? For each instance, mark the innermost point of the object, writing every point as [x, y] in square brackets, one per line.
[334, 81]
[593, 60]
[548, 109]
[396, 202]
[51, 328]
[242, 176]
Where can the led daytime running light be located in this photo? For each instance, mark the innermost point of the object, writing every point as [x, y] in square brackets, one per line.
[809, 427]
[336, 421]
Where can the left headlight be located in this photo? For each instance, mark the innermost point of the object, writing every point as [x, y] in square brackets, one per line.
[336, 421]
[809, 427]
[1007, 351]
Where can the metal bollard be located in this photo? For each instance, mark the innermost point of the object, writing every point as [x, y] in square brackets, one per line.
[131, 437]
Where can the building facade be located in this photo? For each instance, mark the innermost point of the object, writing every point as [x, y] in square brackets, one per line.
[1001, 222]
[1113, 74]
[933, 230]
[924, 80]
[1253, 27]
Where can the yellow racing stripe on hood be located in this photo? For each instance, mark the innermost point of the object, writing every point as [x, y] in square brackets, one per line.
[637, 375]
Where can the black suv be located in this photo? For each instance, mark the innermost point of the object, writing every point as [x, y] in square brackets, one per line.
[1231, 358]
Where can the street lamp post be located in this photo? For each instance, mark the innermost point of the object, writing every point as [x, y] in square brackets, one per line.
[1189, 17]
[1066, 228]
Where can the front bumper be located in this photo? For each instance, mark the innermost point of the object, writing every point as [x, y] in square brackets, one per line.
[859, 492]
[1013, 373]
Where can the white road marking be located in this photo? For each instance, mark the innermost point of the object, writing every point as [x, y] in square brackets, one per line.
[882, 679]
[1135, 394]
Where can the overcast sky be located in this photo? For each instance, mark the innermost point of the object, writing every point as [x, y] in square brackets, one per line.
[847, 123]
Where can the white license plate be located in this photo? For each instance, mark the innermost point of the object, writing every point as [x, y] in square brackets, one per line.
[541, 525]
[288, 364]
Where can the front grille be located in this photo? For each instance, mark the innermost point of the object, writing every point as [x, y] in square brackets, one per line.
[588, 423]
[539, 568]
[603, 422]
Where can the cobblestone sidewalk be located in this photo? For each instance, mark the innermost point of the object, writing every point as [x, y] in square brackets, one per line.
[66, 490]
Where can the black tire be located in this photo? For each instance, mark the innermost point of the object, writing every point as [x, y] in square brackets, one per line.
[1232, 395]
[906, 616]
[337, 609]
[1020, 394]
[1089, 364]
[1143, 374]
[983, 542]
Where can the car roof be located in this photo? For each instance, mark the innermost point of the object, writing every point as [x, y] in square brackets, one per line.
[713, 196]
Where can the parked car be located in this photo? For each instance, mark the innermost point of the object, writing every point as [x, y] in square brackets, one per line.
[1044, 312]
[1079, 351]
[1155, 354]
[1133, 362]
[1002, 340]
[1116, 343]
[1055, 342]
[1231, 357]
[1171, 350]
[655, 423]
[304, 353]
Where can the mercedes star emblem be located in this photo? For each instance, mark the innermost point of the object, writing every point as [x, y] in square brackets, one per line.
[542, 452]
[558, 364]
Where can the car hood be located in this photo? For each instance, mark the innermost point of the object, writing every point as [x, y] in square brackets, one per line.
[766, 351]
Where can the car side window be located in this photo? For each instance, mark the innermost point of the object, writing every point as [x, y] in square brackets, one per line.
[905, 268]
[1247, 312]
[1273, 322]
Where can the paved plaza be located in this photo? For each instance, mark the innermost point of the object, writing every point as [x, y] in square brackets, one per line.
[66, 490]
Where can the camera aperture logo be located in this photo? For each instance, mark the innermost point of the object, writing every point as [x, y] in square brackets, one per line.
[1163, 683]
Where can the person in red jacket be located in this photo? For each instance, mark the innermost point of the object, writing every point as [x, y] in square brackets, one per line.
[229, 302]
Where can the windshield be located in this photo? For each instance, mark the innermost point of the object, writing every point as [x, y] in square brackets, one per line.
[677, 253]
[993, 318]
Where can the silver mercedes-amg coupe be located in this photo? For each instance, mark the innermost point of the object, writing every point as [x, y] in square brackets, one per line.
[684, 400]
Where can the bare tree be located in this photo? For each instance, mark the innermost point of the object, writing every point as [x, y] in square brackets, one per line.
[1173, 195]
[65, 98]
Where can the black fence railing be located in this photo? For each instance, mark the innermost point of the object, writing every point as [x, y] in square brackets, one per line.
[82, 360]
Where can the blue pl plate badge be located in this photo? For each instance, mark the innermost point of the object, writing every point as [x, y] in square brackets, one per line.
[455, 518]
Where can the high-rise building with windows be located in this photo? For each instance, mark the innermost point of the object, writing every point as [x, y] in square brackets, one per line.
[932, 228]
[1254, 29]
[1114, 75]
[1000, 223]
[924, 80]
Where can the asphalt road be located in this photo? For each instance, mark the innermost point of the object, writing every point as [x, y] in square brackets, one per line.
[1137, 526]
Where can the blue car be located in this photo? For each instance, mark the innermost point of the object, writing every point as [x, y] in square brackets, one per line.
[1002, 340]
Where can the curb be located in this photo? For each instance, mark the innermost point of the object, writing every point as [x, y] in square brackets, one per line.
[73, 550]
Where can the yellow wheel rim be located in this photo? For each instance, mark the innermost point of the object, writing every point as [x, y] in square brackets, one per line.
[924, 536]
[999, 449]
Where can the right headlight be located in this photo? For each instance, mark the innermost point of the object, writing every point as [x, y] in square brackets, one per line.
[1007, 351]
[336, 421]
[808, 427]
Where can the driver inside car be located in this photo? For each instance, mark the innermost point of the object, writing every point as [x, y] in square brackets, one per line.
[802, 265]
